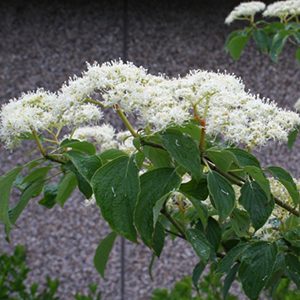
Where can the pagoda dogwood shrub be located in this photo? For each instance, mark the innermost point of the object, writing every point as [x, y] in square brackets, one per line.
[279, 25]
[183, 170]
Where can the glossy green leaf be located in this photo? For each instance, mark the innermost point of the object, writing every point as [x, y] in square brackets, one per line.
[256, 267]
[6, 183]
[231, 257]
[35, 175]
[258, 175]
[230, 277]
[158, 157]
[197, 272]
[292, 137]
[222, 193]
[196, 189]
[223, 159]
[199, 243]
[86, 165]
[261, 39]
[158, 238]
[50, 193]
[236, 45]
[116, 189]
[240, 222]
[111, 154]
[287, 180]
[213, 233]
[293, 268]
[184, 150]
[77, 145]
[257, 204]
[65, 188]
[32, 191]
[293, 236]
[155, 185]
[103, 251]
[244, 158]
[278, 43]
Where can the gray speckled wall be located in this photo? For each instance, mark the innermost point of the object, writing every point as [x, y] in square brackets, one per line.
[43, 43]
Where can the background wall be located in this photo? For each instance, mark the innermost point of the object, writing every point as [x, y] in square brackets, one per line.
[43, 43]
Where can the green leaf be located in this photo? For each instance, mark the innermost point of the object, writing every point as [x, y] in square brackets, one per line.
[257, 204]
[81, 146]
[256, 267]
[222, 193]
[213, 233]
[35, 175]
[293, 236]
[155, 185]
[198, 270]
[223, 159]
[6, 183]
[116, 189]
[258, 175]
[293, 268]
[292, 137]
[298, 55]
[103, 251]
[231, 257]
[50, 193]
[184, 150]
[83, 185]
[111, 154]
[158, 238]
[159, 157]
[262, 40]
[240, 222]
[244, 158]
[196, 189]
[229, 280]
[200, 243]
[287, 180]
[32, 191]
[86, 165]
[65, 188]
[236, 45]
[278, 43]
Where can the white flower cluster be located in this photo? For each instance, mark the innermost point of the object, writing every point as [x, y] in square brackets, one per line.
[283, 9]
[105, 137]
[102, 136]
[39, 111]
[156, 102]
[245, 10]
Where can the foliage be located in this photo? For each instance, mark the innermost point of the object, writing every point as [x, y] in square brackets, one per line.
[270, 35]
[210, 288]
[13, 286]
[180, 181]
[13, 275]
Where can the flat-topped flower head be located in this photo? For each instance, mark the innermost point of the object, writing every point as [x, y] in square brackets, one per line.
[32, 111]
[155, 101]
[245, 10]
[283, 9]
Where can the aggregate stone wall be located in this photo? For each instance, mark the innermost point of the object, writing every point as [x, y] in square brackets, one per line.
[43, 43]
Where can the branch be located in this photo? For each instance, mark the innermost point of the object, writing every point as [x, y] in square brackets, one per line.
[125, 121]
[240, 182]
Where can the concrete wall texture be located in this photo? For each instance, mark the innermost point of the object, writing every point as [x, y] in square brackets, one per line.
[43, 43]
